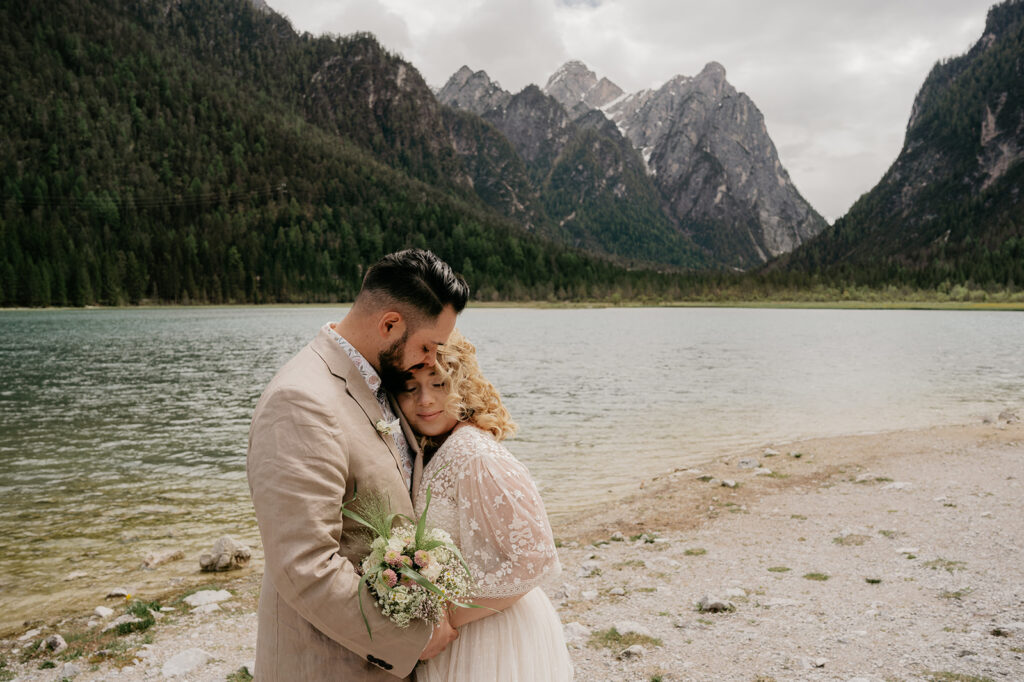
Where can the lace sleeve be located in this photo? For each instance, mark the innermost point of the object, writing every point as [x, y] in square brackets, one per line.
[505, 534]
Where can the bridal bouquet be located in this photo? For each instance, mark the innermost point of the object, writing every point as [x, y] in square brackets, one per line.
[411, 571]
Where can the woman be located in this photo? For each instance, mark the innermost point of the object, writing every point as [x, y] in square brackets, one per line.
[486, 499]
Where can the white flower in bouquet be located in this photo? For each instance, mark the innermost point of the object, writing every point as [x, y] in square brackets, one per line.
[412, 572]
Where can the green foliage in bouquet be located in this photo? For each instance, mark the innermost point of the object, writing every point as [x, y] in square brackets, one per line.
[412, 571]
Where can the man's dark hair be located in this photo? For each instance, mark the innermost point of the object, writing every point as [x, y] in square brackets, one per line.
[417, 278]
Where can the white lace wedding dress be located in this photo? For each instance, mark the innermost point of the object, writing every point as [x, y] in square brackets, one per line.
[486, 499]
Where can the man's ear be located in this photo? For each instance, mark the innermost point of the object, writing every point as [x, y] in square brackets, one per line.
[391, 325]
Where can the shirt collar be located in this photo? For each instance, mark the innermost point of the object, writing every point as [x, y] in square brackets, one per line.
[367, 371]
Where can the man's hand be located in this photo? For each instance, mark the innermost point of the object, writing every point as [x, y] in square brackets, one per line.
[444, 634]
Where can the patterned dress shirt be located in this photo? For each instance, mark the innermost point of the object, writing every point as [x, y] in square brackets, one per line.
[373, 381]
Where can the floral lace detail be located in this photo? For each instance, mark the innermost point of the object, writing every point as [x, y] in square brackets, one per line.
[487, 500]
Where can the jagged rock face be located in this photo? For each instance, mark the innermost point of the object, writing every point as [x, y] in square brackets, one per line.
[574, 83]
[711, 156]
[381, 102]
[497, 173]
[710, 151]
[473, 91]
[535, 124]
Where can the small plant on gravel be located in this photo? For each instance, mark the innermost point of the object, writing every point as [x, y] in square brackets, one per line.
[240, 675]
[46, 665]
[798, 517]
[872, 581]
[852, 540]
[611, 639]
[958, 594]
[936, 564]
[817, 576]
[631, 563]
[778, 569]
[887, 533]
[695, 551]
[955, 677]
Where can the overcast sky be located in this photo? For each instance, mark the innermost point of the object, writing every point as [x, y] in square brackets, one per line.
[834, 80]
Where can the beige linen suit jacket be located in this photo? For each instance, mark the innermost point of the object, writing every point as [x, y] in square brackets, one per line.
[313, 442]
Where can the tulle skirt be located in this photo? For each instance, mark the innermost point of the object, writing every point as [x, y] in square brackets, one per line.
[523, 643]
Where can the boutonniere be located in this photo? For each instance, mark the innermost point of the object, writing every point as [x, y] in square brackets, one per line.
[387, 428]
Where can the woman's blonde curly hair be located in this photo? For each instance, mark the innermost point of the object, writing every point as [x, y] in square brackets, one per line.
[471, 397]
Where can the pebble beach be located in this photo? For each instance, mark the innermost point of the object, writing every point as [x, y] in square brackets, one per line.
[892, 556]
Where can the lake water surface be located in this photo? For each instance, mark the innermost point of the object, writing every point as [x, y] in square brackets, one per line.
[124, 431]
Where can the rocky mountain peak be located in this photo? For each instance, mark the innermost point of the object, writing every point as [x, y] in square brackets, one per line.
[574, 82]
[473, 91]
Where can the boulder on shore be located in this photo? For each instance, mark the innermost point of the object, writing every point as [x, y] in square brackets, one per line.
[227, 555]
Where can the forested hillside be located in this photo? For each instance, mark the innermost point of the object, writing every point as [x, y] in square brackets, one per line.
[949, 211]
[202, 151]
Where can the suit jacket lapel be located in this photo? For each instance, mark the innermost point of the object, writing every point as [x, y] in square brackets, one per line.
[414, 444]
[342, 367]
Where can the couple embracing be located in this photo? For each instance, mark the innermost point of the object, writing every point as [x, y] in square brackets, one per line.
[317, 440]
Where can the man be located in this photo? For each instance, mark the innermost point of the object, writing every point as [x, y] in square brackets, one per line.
[320, 433]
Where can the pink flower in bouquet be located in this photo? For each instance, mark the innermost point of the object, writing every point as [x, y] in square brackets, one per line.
[407, 560]
[393, 558]
[390, 577]
[422, 559]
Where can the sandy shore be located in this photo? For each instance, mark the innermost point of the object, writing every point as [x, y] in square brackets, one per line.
[897, 556]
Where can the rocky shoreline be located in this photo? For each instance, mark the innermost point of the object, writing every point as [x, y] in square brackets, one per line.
[896, 556]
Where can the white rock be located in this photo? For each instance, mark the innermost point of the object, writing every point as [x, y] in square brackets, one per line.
[618, 537]
[207, 608]
[769, 452]
[117, 593]
[103, 612]
[735, 592]
[75, 575]
[729, 483]
[70, 670]
[29, 635]
[588, 568]
[629, 627]
[588, 595]
[864, 478]
[126, 618]
[250, 667]
[712, 604]
[897, 485]
[634, 651]
[617, 591]
[55, 643]
[748, 463]
[575, 632]
[207, 597]
[567, 591]
[227, 555]
[986, 515]
[762, 471]
[154, 559]
[185, 662]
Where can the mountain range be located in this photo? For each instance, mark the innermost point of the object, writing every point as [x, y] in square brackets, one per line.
[695, 147]
[204, 151]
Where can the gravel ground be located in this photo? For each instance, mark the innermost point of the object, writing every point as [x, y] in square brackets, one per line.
[895, 556]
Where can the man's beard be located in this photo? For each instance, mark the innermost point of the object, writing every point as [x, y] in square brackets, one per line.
[392, 375]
